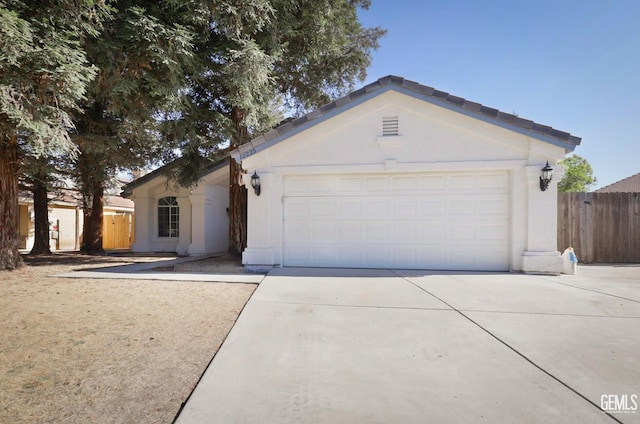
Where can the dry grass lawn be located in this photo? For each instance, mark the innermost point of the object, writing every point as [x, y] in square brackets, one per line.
[105, 351]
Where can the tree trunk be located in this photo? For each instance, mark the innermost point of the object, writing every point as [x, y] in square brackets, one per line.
[41, 212]
[237, 210]
[92, 233]
[9, 238]
[237, 193]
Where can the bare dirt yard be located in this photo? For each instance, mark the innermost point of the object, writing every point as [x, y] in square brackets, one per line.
[105, 351]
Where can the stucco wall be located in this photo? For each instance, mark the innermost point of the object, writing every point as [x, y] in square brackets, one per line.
[65, 219]
[146, 224]
[431, 139]
[203, 216]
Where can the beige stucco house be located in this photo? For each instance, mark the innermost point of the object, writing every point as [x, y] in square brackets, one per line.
[66, 221]
[394, 175]
[188, 221]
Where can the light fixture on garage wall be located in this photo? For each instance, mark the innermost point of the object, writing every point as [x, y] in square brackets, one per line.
[546, 175]
[255, 183]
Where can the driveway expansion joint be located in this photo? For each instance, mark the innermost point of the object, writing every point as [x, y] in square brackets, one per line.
[517, 352]
[548, 314]
[594, 291]
[357, 306]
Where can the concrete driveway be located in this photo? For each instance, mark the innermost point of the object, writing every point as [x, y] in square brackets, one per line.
[380, 346]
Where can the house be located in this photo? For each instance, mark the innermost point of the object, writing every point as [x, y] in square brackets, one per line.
[66, 220]
[393, 175]
[628, 185]
[188, 221]
[400, 175]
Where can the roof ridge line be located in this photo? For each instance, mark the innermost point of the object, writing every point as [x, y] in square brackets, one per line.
[470, 107]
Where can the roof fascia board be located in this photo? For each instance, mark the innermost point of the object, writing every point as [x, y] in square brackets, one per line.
[447, 105]
[158, 173]
[252, 148]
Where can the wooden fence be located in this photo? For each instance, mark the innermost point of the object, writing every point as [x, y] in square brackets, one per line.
[601, 227]
[117, 231]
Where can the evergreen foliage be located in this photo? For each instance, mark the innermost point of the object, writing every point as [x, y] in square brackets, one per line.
[44, 74]
[298, 53]
[119, 84]
[143, 56]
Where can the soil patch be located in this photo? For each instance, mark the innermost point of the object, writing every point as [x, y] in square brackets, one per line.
[225, 264]
[107, 351]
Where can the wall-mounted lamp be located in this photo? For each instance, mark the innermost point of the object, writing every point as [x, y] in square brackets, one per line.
[546, 175]
[255, 183]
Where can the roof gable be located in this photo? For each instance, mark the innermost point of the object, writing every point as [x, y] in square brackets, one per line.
[458, 104]
[162, 172]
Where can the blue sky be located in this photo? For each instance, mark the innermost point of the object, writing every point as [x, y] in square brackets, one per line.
[573, 65]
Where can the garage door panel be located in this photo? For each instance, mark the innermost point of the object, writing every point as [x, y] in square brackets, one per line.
[377, 184]
[349, 255]
[348, 232]
[376, 209]
[433, 206]
[461, 206]
[433, 231]
[496, 206]
[349, 185]
[297, 232]
[403, 257]
[323, 254]
[323, 207]
[296, 209]
[323, 232]
[349, 207]
[376, 232]
[458, 233]
[458, 182]
[378, 257]
[495, 232]
[405, 232]
[433, 256]
[432, 184]
[439, 221]
[405, 208]
[404, 184]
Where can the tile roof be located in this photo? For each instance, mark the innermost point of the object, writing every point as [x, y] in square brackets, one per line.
[117, 202]
[564, 139]
[628, 185]
[71, 197]
[162, 171]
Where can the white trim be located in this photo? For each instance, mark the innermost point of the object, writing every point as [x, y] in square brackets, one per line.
[399, 167]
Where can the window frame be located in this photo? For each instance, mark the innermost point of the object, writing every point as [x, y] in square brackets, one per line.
[168, 215]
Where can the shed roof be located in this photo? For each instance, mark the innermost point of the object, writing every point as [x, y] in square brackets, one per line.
[429, 94]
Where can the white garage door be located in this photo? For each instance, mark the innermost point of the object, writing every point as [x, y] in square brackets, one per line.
[449, 221]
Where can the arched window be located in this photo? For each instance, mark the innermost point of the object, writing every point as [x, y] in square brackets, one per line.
[168, 217]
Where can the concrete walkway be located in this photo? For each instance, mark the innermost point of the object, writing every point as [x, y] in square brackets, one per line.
[149, 271]
[378, 346]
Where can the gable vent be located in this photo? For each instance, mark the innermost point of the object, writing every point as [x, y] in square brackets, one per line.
[389, 126]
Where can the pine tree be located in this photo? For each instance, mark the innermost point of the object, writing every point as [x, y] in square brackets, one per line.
[143, 55]
[300, 52]
[44, 73]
